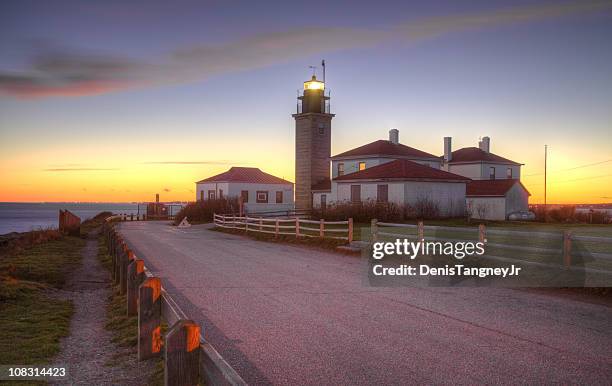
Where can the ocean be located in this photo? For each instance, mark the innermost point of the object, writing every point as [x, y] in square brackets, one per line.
[24, 217]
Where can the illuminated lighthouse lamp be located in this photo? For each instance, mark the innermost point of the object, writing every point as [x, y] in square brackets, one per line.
[314, 84]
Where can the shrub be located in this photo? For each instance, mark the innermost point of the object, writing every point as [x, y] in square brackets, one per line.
[202, 211]
[382, 211]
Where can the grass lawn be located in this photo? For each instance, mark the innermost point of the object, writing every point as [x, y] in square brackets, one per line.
[529, 238]
[32, 320]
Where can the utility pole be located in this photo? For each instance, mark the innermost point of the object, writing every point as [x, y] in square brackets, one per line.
[545, 171]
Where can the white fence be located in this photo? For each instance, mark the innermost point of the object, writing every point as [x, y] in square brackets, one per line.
[341, 230]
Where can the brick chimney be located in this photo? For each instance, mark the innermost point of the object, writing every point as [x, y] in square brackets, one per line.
[394, 136]
[448, 151]
[485, 144]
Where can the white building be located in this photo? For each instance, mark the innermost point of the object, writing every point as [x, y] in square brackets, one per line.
[496, 199]
[496, 190]
[380, 152]
[260, 191]
[388, 171]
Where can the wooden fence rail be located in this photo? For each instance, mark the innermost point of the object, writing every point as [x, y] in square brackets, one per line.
[298, 227]
[188, 358]
[565, 239]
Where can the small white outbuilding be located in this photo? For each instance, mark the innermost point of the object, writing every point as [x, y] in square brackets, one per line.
[260, 191]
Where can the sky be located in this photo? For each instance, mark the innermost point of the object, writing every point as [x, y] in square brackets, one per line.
[115, 101]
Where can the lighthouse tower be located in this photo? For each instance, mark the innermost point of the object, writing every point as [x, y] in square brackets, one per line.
[312, 141]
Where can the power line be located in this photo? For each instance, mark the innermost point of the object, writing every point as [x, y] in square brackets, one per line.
[577, 179]
[572, 168]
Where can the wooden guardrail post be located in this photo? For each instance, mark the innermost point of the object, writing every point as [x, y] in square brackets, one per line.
[149, 318]
[123, 271]
[182, 354]
[118, 253]
[374, 230]
[135, 277]
[567, 248]
[350, 230]
[131, 216]
[321, 228]
[482, 233]
[111, 251]
[297, 227]
[421, 230]
[260, 223]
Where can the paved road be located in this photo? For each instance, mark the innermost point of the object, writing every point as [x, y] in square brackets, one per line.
[285, 314]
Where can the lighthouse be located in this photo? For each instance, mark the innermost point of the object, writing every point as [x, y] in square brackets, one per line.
[312, 140]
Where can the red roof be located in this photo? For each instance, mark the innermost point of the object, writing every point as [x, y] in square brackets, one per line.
[402, 169]
[474, 154]
[383, 147]
[491, 188]
[241, 174]
[324, 185]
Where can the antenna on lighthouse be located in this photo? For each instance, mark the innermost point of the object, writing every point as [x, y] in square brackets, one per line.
[323, 65]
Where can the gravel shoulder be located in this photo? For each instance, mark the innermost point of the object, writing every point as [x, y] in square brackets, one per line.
[88, 351]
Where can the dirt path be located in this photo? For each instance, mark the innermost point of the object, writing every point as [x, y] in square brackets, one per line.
[88, 350]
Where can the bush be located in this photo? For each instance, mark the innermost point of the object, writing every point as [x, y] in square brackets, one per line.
[382, 211]
[568, 214]
[202, 211]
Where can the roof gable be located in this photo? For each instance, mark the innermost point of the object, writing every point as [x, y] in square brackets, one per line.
[243, 174]
[385, 148]
[491, 188]
[474, 154]
[402, 169]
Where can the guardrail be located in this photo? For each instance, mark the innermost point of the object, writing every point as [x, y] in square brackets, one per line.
[566, 239]
[188, 358]
[298, 227]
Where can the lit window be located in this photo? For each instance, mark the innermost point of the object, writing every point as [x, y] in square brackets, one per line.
[509, 173]
[491, 173]
[262, 197]
[362, 165]
[340, 169]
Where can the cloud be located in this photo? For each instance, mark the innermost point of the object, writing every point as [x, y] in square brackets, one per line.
[188, 163]
[67, 73]
[79, 169]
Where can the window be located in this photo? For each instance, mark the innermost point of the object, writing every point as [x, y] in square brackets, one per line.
[340, 169]
[220, 193]
[321, 129]
[323, 201]
[279, 197]
[382, 193]
[491, 173]
[509, 173]
[355, 193]
[211, 194]
[262, 197]
[361, 165]
[244, 195]
[201, 195]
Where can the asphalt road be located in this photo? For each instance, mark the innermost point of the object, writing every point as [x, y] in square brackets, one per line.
[282, 314]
